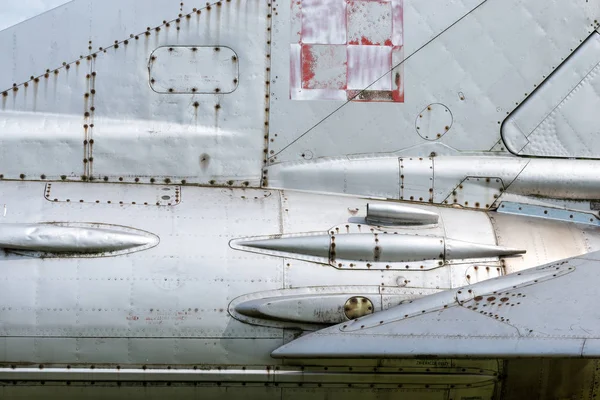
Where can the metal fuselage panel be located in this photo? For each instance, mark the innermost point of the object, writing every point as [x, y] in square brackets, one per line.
[161, 314]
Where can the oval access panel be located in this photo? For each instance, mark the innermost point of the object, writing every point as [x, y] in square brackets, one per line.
[194, 69]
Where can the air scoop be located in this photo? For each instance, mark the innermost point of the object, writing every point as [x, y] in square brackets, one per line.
[73, 239]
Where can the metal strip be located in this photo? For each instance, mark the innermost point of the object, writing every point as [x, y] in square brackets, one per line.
[556, 214]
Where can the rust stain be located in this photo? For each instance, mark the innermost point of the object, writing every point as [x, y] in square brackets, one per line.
[308, 64]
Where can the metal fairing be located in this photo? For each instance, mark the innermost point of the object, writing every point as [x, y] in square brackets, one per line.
[73, 239]
[327, 199]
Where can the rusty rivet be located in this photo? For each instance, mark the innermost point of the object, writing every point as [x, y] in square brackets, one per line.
[43, 176]
[36, 80]
[157, 29]
[217, 106]
[4, 94]
[87, 114]
[152, 80]
[137, 179]
[170, 90]
[63, 177]
[217, 49]
[196, 104]
[167, 181]
[93, 91]
[22, 176]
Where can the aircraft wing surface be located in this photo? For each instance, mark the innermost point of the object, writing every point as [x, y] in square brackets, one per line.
[547, 311]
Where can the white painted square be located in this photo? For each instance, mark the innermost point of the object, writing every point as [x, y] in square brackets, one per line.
[324, 21]
[369, 67]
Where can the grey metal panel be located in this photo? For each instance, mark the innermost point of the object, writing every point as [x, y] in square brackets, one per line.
[95, 113]
[492, 68]
[557, 120]
[559, 239]
[514, 315]
[163, 293]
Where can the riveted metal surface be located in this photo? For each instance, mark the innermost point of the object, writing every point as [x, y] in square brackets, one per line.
[194, 69]
[142, 195]
[189, 138]
[151, 294]
[556, 214]
[439, 66]
[416, 179]
[558, 118]
[476, 192]
[434, 121]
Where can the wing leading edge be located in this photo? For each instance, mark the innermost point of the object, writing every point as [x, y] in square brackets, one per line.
[547, 311]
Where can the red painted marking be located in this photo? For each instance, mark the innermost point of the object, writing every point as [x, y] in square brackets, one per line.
[365, 41]
[308, 66]
[388, 42]
[355, 41]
